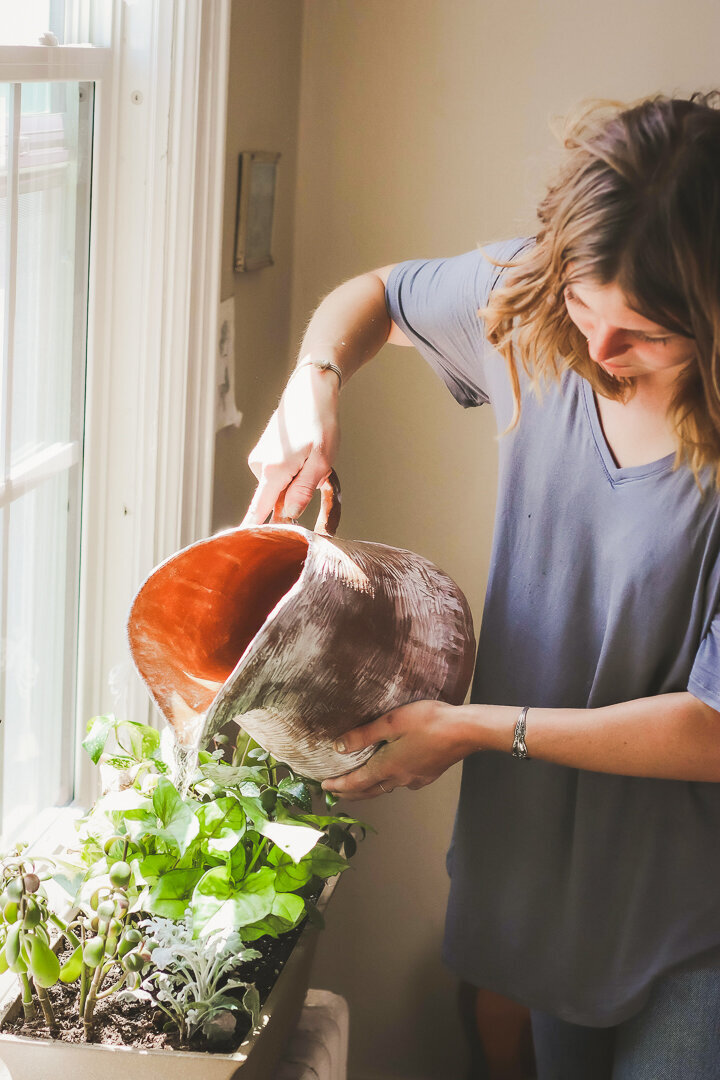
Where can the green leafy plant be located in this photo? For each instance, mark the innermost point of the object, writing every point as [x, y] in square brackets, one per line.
[181, 864]
[25, 930]
[193, 977]
[111, 949]
[240, 847]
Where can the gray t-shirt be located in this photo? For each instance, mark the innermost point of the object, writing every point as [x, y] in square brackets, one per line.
[571, 891]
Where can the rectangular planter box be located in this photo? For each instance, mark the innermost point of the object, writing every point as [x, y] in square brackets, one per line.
[255, 1059]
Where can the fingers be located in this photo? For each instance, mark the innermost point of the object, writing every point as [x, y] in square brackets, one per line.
[360, 784]
[295, 452]
[377, 731]
[261, 503]
[303, 487]
[272, 483]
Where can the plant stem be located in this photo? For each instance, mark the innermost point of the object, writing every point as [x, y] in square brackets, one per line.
[88, 1011]
[72, 938]
[112, 989]
[83, 988]
[45, 1005]
[244, 753]
[83, 976]
[256, 856]
[28, 1004]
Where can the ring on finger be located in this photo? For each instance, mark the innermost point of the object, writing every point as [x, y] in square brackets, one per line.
[386, 790]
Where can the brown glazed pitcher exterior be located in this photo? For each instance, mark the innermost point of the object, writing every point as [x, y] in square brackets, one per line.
[297, 636]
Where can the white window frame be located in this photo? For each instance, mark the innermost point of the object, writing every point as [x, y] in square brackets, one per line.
[160, 73]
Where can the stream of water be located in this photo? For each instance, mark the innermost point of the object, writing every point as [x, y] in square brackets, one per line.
[184, 766]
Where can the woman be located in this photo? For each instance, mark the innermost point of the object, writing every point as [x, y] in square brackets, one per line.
[584, 864]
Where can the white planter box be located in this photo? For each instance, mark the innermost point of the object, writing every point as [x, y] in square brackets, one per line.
[256, 1058]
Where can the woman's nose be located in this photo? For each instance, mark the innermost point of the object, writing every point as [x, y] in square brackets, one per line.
[606, 342]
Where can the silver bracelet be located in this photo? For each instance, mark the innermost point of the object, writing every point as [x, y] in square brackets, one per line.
[519, 749]
[321, 365]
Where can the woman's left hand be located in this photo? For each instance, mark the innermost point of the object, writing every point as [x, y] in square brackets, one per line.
[421, 740]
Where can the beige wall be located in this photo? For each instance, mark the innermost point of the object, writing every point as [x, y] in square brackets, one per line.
[423, 129]
[263, 100]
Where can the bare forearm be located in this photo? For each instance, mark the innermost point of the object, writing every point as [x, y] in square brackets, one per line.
[671, 736]
[350, 326]
[297, 449]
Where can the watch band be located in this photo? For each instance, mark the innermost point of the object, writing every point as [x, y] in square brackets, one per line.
[519, 749]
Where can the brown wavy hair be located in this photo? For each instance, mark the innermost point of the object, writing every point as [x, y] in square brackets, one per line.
[637, 203]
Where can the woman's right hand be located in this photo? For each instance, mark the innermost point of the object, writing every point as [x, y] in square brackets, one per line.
[297, 449]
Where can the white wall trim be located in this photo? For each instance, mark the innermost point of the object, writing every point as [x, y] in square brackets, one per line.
[214, 41]
[46, 63]
[155, 281]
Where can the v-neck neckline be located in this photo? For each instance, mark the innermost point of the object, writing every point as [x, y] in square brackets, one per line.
[618, 474]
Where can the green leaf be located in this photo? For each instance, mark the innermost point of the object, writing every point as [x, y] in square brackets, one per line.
[171, 894]
[139, 825]
[155, 866]
[246, 904]
[211, 816]
[98, 730]
[251, 1004]
[221, 845]
[169, 909]
[325, 862]
[336, 836]
[253, 810]
[221, 820]
[295, 792]
[233, 775]
[250, 789]
[322, 821]
[210, 894]
[139, 740]
[69, 875]
[288, 906]
[238, 863]
[181, 823]
[291, 876]
[72, 968]
[271, 925]
[121, 763]
[295, 840]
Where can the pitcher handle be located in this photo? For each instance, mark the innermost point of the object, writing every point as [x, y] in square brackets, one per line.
[329, 517]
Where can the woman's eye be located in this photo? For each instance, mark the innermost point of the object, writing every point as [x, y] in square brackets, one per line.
[654, 340]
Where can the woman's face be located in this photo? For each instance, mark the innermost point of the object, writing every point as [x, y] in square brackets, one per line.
[621, 341]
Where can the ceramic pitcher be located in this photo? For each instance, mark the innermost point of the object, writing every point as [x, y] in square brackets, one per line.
[297, 636]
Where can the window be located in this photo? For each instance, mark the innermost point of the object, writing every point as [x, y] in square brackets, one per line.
[108, 313]
[45, 155]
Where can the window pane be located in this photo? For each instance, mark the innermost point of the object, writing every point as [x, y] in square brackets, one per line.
[38, 651]
[45, 153]
[51, 242]
[23, 22]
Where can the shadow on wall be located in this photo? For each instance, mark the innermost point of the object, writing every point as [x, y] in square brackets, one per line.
[441, 1051]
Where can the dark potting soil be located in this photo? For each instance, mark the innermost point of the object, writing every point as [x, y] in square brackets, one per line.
[138, 1023]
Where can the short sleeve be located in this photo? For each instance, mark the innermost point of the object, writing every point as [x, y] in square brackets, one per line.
[704, 680]
[435, 303]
